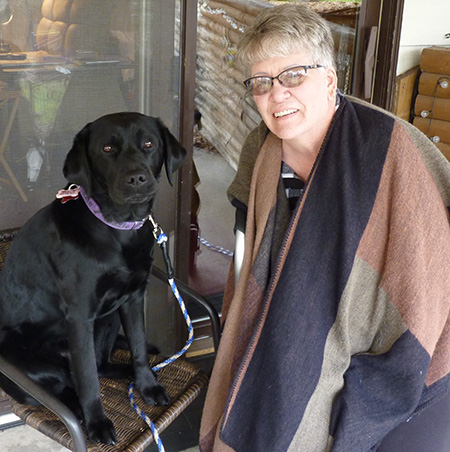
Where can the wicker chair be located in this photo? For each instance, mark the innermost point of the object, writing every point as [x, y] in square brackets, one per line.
[183, 381]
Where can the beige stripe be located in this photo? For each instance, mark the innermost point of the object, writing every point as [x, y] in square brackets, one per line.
[366, 322]
[439, 361]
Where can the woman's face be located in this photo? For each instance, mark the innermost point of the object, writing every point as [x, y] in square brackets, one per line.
[301, 113]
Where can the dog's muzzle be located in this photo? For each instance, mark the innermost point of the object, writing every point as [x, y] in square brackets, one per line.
[135, 186]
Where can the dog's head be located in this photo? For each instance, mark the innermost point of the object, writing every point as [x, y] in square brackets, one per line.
[119, 158]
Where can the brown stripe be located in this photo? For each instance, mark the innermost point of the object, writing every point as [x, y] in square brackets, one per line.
[229, 351]
[269, 162]
[408, 242]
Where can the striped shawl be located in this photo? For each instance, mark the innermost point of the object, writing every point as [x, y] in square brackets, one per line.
[338, 329]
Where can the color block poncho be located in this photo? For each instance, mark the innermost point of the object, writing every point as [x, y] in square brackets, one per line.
[338, 329]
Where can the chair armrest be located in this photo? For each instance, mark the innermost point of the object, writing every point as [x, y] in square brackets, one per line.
[239, 244]
[184, 290]
[46, 399]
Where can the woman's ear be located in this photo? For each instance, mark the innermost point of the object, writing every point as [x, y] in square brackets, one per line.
[331, 82]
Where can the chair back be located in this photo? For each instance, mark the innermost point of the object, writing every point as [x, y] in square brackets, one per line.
[70, 27]
[6, 237]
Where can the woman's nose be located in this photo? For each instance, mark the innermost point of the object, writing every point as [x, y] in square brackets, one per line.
[279, 91]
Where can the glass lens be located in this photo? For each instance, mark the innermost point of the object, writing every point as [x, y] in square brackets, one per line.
[261, 85]
[292, 77]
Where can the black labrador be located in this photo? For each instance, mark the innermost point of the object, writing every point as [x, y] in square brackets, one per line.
[78, 269]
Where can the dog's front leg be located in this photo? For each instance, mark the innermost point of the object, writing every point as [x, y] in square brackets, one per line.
[84, 368]
[132, 317]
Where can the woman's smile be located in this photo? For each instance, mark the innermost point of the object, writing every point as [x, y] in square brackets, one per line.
[284, 113]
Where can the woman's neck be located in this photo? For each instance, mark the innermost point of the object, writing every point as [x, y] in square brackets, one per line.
[301, 161]
[300, 154]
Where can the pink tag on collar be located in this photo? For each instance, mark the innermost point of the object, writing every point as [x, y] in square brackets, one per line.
[68, 195]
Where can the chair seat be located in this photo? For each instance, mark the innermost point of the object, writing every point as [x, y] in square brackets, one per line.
[181, 379]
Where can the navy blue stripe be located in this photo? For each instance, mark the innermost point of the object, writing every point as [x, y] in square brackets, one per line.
[428, 430]
[287, 362]
[380, 392]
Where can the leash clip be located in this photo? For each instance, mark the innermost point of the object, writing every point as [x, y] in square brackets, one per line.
[157, 231]
[161, 240]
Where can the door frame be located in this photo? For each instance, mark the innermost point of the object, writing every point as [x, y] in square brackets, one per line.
[387, 16]
[182, 246]
[388, 49]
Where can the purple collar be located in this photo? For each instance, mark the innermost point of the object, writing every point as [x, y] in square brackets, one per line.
[75, 190]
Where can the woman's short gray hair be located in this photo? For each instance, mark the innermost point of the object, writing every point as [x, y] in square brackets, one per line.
[285, 29]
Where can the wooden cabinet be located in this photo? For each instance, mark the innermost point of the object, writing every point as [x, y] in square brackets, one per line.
[432, 103]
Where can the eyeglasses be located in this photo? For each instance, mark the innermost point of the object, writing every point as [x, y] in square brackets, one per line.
[290, 78]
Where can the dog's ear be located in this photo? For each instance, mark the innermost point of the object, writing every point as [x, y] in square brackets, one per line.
[174, 153]
[76, 167]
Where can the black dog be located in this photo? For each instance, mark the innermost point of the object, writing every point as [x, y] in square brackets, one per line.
[72, 278]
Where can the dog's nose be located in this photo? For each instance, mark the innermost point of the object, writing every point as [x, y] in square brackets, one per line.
[137, 178]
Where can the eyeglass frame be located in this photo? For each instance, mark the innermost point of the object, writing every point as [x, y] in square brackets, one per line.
[248, 86]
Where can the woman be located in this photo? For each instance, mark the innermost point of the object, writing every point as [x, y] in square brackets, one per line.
[338, 329]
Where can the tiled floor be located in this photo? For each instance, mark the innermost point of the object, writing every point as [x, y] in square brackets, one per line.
[216, 219]
[26, 439]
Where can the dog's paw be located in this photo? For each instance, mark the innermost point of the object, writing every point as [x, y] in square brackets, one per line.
[155, 395]
[102, 431]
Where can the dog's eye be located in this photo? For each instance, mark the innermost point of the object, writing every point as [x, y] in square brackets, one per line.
[107, 148]
[148, 144]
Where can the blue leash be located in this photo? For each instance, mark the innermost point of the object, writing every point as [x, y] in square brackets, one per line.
[161, 240]
[216, 248]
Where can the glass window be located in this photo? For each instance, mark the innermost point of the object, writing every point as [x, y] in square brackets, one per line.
[64, 63]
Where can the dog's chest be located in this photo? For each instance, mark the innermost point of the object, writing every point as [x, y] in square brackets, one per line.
[117, 287]
[124, 277]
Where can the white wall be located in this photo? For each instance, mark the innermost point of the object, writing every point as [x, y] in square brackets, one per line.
[425, 23]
